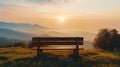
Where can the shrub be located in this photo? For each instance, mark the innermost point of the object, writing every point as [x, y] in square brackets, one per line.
[107, 39]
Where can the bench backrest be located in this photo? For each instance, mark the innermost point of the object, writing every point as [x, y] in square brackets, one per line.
[57, 41]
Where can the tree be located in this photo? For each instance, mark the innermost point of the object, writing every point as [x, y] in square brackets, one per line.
[107, 39]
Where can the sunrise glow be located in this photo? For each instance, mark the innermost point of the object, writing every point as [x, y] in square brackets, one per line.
[61, 18]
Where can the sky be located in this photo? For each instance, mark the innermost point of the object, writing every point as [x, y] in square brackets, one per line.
[85, 15]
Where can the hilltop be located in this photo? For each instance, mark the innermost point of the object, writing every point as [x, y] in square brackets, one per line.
[24, 57]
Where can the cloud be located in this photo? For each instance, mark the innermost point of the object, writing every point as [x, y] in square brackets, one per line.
[41, 5]
[35, 1]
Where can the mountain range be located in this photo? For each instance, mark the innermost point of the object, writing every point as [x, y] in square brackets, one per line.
[26, 31]
[21, 31]
[22, 27]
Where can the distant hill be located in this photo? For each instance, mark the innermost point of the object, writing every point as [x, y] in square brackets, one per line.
[7, 33]
[22, 27]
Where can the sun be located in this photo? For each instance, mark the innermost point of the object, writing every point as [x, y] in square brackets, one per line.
[61, 18]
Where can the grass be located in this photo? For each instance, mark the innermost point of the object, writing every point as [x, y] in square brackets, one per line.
[24, 57]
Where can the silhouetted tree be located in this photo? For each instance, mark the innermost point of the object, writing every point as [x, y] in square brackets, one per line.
[107, 39]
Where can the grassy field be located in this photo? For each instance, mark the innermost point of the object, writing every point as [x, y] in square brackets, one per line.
[24, 57]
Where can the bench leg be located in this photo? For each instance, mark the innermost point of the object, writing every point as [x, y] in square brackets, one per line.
[38, 48]
[39, 51]
[76, 51]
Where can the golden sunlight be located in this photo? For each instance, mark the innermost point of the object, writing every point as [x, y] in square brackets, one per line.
[61, 18]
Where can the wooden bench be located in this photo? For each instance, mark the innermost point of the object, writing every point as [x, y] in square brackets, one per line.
[44, 41]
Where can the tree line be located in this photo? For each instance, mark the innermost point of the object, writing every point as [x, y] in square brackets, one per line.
[17, 44]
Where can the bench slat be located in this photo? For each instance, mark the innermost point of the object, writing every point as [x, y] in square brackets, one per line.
[57, 43]
[57, 38]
